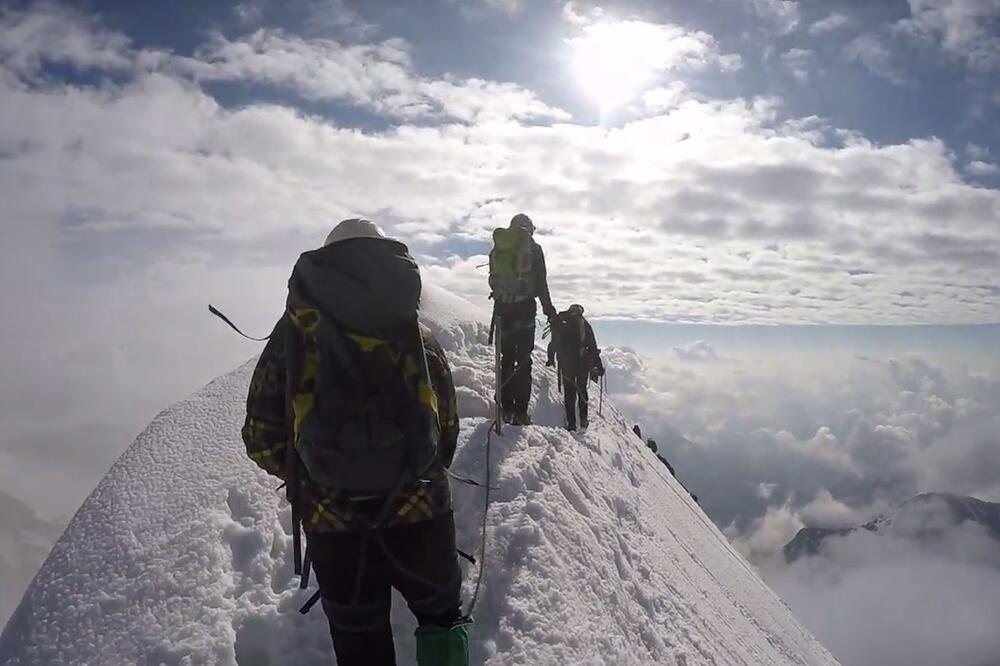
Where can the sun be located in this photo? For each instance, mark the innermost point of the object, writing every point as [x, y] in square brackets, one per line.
[613, 61]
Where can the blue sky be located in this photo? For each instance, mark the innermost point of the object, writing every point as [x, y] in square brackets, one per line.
[756, 164]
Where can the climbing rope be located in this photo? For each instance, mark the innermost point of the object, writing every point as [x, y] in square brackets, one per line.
[486, 509]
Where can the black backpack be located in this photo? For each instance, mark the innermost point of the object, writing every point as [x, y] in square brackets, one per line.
[364, 411]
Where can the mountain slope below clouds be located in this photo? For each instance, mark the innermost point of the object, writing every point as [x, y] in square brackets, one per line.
[25, 543]
[595, 555]
[922, 519]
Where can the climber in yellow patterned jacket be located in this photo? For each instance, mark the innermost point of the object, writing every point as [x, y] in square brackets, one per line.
[362, 432]
[266, 434]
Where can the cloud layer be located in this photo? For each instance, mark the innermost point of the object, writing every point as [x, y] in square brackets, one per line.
[780, 437]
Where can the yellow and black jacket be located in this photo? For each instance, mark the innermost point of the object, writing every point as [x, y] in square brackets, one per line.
[267, 435]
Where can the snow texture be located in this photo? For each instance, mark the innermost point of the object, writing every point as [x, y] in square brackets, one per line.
[595, 555]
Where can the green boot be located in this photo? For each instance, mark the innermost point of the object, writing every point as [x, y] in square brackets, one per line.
[443, 646]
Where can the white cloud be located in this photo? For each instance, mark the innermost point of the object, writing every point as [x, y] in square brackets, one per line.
[476, 10]
[781, 15]
[975, 151]
[835, 21]
[878, 599]
[692, 170]
[827, 512]
[572, 13]
[55, 34]
[869, 50]
[621, 58]
[797, 61]
[377, 76]
[980, 168]
[665, 98]
[769, 532]
[624, 370]
[326, 16]
[249, 12]
[817, 443]
[967, 28]
[699, 350]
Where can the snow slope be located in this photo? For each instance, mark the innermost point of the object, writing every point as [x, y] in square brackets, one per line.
[594, 556]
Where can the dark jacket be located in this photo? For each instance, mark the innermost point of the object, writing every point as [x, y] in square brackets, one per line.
[575, 345]
[542, 282]
[267, 431]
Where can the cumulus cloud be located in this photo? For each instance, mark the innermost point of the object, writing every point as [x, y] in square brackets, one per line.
[378, 76]
[509, 7]
[833, 22]
[651, 49]
[980, 168]
[624, 370]
[797, 62]
[821, 444]
[781, 15]
[775, 442]
[872, 52]
[699, 350]
[726, 179]
[966, 28]
[827, 512]
[51, 33]
[573, 13]
[876, 598]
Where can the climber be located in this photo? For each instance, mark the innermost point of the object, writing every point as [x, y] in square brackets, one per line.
[517, 278]
[579, 361]
[637, 430]
[652, 447]
[365, 395]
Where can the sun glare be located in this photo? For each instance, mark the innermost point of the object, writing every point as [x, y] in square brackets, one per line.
[614, 60]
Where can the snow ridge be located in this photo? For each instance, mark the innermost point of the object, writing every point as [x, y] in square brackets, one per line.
[595, 555]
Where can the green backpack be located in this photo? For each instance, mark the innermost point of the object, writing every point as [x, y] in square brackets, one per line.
[364, 411]
[512, 273]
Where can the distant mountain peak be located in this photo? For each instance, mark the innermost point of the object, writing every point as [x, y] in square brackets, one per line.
[922, 517]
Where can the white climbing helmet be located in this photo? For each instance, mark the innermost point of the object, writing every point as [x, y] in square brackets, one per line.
[355, 227]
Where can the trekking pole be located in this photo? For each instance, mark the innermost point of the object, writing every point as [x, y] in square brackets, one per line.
[498, 398]
[600, 403]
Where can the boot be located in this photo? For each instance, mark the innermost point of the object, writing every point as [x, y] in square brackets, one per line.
[443, 646]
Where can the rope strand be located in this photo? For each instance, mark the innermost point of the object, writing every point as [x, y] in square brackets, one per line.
[486, 509]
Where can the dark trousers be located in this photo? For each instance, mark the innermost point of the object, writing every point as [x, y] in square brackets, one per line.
[574, 392]
[517, 341]
[356, 571]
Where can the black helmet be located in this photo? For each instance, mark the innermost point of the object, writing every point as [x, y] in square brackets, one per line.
[522, 221]
[575, 309]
